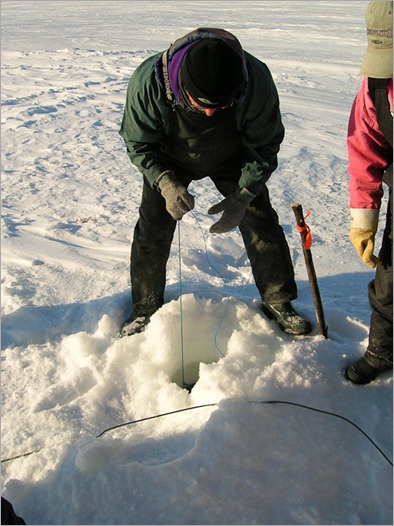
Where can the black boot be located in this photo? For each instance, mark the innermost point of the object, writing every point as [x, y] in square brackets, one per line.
[360, 372]
[134, 325]
[288, 319]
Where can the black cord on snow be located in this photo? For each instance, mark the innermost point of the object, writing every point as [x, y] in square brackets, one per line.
[152, 417]
[331, 414]
[284, 402]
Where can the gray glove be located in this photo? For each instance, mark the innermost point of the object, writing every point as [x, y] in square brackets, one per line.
[233, 208]
[178, 199]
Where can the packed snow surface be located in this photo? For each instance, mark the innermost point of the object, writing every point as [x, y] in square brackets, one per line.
[70, 198]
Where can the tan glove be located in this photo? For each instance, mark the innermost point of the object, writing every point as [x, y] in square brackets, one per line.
[364, 243]
[363, 226]
[178, 200]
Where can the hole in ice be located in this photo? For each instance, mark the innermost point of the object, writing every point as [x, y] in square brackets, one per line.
[206, 329]
[190, 374]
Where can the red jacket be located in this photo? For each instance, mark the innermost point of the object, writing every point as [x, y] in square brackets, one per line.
[368, 151]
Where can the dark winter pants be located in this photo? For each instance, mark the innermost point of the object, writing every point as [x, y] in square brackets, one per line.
[264, 240]
[380, 293]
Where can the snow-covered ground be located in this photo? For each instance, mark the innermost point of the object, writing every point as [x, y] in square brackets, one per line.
[70, 199]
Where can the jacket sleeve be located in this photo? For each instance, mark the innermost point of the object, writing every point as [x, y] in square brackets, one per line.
[368, 153]
[261, 126]
[142, 126]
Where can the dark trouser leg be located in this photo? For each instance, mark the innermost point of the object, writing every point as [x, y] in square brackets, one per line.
[266, 247]
[380, 293]
[150, 250]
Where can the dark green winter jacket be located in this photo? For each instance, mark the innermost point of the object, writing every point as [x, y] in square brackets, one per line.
[147, 115]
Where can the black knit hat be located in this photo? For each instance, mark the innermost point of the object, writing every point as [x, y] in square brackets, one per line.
[211, 73]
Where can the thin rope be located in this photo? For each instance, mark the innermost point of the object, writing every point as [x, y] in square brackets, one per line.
[260, 402]
[220, 276]
[155, 416]
[336, 415]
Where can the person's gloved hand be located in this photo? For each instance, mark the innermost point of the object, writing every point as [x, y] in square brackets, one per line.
[364, 243]
[178, 200]
[233, 208]
[363, 227]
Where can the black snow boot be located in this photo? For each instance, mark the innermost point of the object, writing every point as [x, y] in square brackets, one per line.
[134, 325]
[360, 372]
[288, 319]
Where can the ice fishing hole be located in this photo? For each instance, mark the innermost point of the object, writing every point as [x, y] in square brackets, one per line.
[190, 373]
[204, 336]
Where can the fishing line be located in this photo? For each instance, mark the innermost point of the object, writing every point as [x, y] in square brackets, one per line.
[184, 384]
[262, 402]
[220, 276]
